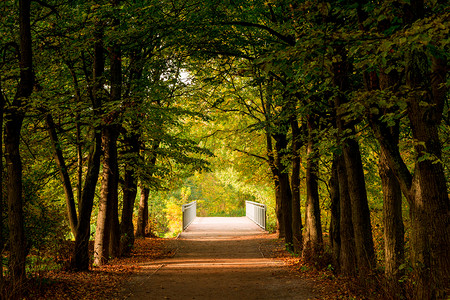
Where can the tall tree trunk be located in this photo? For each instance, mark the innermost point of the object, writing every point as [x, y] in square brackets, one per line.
[142, 221]
[426, 190]
[313, 243]
[129, 198]
[281, 144]
[286, 208]
[278, 205]
[63, 173]
[114, 240]
[113, 164]
[430, 205]
[392, 197]
[104, 216]
[80, 256]
[365, 252]
[14, 119]
[15, 205]
[393, 222]
[347, 257]
[79, 147]
[108, 196]
[295, 185]
[2, 243]
[79, 165]
[394, 231]
[107, 237]
[335, 238]
[277, 188]
[266, 102]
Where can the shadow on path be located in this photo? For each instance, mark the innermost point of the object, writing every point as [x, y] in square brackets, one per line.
[218, 258]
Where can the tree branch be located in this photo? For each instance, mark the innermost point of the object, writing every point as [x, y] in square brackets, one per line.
[251, 154]
[287, 39]
[227, 53]
[51, 7]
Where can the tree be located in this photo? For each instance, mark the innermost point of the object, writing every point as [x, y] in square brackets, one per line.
[295, 185]
[425, 74]
[13, 126]
[2, 107]
[313, 236]
[129, 197]
[80, 258]
[335, 230]
[356, 185]
[142, 220]
[107, 234]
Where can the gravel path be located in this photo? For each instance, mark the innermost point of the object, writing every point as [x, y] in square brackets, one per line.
[218, 258]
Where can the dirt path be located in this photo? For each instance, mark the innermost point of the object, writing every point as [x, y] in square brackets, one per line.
[218, 258]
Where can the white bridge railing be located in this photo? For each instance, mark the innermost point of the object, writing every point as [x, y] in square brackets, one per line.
[189, 213]
[256, 212]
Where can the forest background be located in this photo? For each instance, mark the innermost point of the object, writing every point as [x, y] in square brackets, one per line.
[334, 114]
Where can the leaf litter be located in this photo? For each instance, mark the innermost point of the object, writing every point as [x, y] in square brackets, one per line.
[99, 282]
[104, 282]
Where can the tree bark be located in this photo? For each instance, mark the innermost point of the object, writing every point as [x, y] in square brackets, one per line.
[63, 173]
[347, 257]
[281, 144]
[108, 196]
[313, 243]
[335, 238]
[80, 257]
[79, 165]
[394, 232]
[107, 237]
[392, 196]
[79, 147]
[393, 222]
[278, 209]
[426, 189]
[295, 184]
[2, 243]
[430, 206]
[129, 198]
[365, 254]
[115, 57]
[266, 102]
[356, 184]
[277, 188]
[142, 221]
[114, 240]
[13, 125]
[15, 205]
